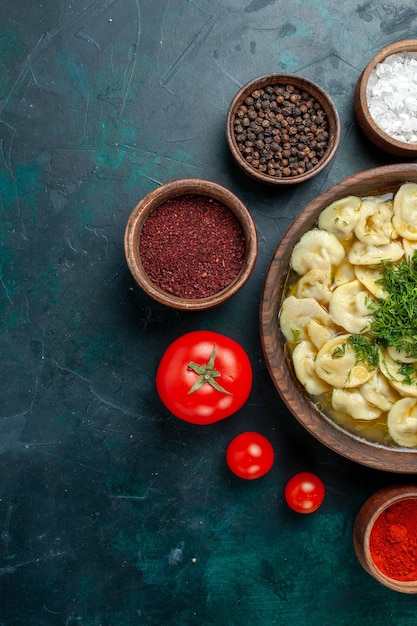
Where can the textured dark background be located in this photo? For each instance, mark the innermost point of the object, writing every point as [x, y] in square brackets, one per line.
[101, 101]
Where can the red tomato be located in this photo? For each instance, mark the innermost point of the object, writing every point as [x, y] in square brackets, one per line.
[304, 492]
[250, 455]
[204, 377]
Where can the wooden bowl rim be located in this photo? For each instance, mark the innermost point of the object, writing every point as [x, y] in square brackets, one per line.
[371, 509]
[182, 187]
[348, 445]
[401, 147]
[301, 83]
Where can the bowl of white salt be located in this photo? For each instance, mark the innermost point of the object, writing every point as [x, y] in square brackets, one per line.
[385, 100]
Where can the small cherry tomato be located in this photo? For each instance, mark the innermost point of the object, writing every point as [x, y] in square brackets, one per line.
[304, 492]
[250, 455]
[204, 377]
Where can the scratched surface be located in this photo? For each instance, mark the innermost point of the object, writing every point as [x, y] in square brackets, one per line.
[112, 512]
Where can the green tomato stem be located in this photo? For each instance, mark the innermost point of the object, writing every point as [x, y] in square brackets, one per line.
[206, 374]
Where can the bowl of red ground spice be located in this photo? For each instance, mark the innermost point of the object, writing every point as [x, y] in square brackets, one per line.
[385, 537]
[191, 244]
[282, 129]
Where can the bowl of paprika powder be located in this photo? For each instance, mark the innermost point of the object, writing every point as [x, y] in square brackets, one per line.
[191, 244]
[385, 537]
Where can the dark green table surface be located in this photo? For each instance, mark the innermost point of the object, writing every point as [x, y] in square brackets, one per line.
[100, 102]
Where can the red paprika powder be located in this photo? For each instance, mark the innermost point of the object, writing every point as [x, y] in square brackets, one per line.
[192, 246]
[393, 541]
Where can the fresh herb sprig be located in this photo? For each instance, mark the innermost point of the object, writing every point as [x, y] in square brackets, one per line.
[365, 349]
[394, 319]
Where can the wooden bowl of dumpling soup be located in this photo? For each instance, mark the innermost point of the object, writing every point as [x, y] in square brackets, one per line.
[353, 229]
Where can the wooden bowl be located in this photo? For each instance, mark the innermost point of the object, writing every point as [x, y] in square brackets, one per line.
[370, 511]
[369, 127]
[175, 189]
[303, 85]
[371, 182]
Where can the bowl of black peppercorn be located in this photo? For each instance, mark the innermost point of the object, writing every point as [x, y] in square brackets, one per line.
[282, 129]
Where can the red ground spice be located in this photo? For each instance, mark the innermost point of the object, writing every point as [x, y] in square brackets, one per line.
[192, 246]
[393, 541]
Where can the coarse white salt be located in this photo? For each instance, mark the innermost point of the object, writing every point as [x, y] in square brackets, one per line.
[391, 95]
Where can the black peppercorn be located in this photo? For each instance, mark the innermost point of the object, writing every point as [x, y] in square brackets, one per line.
[281, 130]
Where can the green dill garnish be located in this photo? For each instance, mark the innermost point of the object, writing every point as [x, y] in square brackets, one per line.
[339, 351]
[296, 332]
[408, 372]
[365, 350]
[394, 321]
[368, 302]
